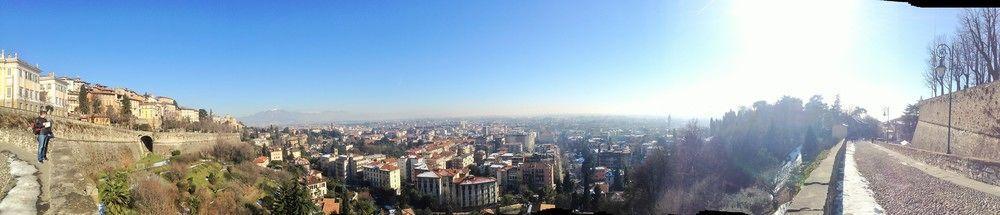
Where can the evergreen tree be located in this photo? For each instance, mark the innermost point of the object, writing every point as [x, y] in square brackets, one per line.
[364, 206]
[84, 106]
[568, 185]
[203, 116]
[126, 113]
[96, 109]
[345, 204]
[126, 107]
[289, 198]
[909, 122]
[810, 146]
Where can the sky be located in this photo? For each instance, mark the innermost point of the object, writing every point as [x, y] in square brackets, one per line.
[471, 58]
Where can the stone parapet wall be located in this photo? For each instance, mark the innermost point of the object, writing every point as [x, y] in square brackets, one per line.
[163, 143]
[76, 167]
[67, 128]
[15, 131]
[82, 150]
[978, 169]
[975, 123]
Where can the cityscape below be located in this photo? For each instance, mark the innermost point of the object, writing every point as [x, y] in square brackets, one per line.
[473, 108]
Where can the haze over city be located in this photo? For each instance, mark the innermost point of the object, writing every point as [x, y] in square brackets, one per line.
[499, 107]
[439, 59]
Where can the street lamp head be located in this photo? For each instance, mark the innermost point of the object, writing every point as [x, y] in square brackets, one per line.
[942, 51]
[940, 69]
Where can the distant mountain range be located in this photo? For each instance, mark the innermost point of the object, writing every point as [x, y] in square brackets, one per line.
[285, 117]
[281, 117]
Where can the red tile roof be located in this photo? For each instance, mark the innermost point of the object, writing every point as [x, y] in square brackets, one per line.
[389, 167]
[260, 159]
[476, 180]
[313, 179]
[331, 206]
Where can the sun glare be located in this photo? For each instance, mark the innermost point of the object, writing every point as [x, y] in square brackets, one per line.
[779, 51]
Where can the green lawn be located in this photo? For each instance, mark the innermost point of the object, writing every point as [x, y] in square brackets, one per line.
[149, 160]
[199, 173]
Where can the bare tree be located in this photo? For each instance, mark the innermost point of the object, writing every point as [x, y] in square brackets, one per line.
[931, 81]
[932, 78]
[955, 63]
[980, 26]
[972, 55]
[973, 68]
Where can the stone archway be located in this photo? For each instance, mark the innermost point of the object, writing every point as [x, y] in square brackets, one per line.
[147, 142]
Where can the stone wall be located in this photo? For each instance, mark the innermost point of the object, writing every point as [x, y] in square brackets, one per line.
[165, 142]
[81, 150]
[15, 131]
[975, 123]
[978, 169]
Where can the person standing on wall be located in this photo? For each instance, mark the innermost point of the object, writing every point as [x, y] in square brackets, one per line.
[43, 130]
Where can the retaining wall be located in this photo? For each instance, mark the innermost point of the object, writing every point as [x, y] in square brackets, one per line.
[975, 123]
[14, 130]
[81, 150]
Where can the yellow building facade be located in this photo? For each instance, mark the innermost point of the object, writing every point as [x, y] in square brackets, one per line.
[19, 86]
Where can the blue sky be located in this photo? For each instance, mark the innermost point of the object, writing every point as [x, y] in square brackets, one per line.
[465, 58]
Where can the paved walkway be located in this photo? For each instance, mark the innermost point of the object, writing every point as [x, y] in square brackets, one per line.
[902, 185]
[812, 197]
[942, 174]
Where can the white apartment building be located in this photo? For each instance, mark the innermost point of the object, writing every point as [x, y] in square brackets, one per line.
[457, 187]
[191, 115]
[55, 93]
[383, 176]
[73, 86]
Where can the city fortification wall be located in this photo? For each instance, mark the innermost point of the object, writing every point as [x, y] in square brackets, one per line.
[14, 131]
[82, 150]
[975, 123]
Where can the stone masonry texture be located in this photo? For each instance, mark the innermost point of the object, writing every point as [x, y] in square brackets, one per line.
[975, 123]
[81, 150]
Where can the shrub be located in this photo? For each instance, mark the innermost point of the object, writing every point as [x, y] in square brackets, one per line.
[175, 152]
[113, 190]
[226, 202]
[233, 152]
[144, 127]
[154, 196]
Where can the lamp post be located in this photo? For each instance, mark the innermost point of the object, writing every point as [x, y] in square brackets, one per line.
[940, 70]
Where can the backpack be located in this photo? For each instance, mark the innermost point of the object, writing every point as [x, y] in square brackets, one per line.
[37, 127]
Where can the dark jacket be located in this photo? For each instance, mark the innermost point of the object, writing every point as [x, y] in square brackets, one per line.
[39, 127]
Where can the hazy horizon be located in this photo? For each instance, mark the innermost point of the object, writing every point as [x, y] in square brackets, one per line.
[434, 59]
